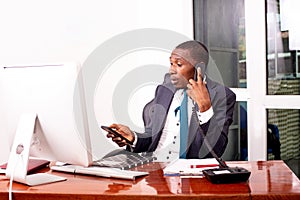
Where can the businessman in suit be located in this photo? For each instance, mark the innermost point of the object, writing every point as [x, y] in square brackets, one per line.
[210, 108]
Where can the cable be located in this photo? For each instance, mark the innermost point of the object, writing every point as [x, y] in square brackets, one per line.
[10, 187]
[210, 149]
[12, 178]
[19, 154]
[249, 190]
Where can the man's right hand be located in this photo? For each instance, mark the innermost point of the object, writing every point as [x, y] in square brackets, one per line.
[123, 130]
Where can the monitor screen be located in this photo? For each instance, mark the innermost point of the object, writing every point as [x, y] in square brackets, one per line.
[55, 93]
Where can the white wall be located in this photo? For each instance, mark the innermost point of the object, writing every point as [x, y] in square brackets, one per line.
[59, 30]
[36, 31]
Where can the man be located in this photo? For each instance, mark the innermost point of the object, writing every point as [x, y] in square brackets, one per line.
[209, 110]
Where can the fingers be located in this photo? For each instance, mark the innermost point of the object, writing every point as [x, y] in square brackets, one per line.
[122, 130]
[113, 136]
[199, 74]
[119, 141]
[199, 80]
[197, 88]
[192, 83]
[116, 126]
[189, 85]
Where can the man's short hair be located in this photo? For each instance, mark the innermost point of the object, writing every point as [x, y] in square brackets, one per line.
[198, 51]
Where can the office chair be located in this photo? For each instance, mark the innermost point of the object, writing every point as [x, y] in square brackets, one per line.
[273, 141]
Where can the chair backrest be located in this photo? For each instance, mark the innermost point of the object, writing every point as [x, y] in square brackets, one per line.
[273, 141]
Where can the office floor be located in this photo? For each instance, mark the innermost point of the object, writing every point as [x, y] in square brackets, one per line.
[294, 165]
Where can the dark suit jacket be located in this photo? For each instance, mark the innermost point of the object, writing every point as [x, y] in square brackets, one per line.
[215, 130]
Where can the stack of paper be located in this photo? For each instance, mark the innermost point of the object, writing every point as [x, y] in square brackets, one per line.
[190, 167]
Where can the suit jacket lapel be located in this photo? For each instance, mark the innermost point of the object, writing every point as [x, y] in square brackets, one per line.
[161, 107]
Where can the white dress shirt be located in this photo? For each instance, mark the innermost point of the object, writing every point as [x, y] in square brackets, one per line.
[169, 144]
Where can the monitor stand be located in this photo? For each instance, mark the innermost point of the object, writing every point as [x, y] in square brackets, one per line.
[19, 154]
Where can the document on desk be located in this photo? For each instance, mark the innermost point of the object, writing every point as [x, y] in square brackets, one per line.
[106, 172]
[190, 167]
[2, 171]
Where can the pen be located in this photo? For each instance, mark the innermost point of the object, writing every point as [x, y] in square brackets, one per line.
[203, 166]
[183, 174]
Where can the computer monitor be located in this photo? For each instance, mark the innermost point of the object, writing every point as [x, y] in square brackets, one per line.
[53, 92]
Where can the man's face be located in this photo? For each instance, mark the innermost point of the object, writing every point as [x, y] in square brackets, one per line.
[181, 68]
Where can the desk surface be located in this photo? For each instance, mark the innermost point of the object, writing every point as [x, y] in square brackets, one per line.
[269, 179]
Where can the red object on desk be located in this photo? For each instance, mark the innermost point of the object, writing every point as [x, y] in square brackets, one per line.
[204, 166]
[33, 165]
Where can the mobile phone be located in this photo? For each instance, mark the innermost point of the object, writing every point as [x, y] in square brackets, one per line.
[111, 130]
[202, 66]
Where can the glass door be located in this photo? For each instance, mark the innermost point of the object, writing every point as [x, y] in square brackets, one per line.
[251, 44]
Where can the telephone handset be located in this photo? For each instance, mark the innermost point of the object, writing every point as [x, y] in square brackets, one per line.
[202, 67]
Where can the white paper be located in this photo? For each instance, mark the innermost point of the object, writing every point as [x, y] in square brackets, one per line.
[190, 167]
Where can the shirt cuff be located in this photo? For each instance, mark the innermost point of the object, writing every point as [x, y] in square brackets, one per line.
[135, 139]
[204, 117]
[131, 147]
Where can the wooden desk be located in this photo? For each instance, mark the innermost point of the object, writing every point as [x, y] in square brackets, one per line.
[268, 180]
